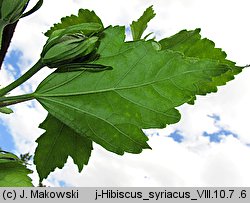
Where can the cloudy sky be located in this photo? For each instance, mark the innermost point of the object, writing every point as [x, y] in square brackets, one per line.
[210, 146]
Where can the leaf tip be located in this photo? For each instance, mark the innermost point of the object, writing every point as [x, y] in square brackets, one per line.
[139, 26]
[6, 110]
[198, 30]
[148, 147]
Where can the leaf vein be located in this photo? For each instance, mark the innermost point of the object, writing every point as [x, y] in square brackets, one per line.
[95, 116]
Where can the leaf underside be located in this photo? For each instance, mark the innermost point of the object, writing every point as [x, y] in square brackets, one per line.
[13, 173]
[141, 92]
[191, 45]
[139, 26]
[145, 82]
[56, 144]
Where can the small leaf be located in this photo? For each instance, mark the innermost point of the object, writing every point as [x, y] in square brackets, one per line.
[34, 9]
[84, 16]
[139, 26]
[6, 110]
[13, 172]
[56, 144]
[7, 155]
[11, 11]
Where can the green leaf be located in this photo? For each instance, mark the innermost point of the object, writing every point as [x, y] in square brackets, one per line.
[2, 26]
[11, 11]
[56, 144]
[13, 172]
[34, 9]
[8, 156]
[6, 110]
[84, 16]
[139, 26]
[141, 92]
[191, 44]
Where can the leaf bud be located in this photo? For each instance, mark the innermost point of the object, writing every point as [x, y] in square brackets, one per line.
[12, 10]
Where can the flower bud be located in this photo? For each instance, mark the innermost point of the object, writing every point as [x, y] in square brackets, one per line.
[12, 10]
[70, 44]
[71, 48]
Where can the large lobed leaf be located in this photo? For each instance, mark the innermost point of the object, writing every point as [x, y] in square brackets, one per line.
[56, 144]
[142, 91]
[145, 82]
[13, 173]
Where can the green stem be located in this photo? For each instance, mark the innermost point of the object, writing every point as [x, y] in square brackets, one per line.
[1, 35]
[7, 34]
[2, 25]
[6, 101]
[22, 79]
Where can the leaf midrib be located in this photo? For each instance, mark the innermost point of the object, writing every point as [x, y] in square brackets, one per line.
[46, 163]
[42, 95]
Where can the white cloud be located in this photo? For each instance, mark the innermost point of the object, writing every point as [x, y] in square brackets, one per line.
[7, 74]
[168, 164]
[196, 162]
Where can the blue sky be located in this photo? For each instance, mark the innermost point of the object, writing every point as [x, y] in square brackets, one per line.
[220, 133]
[6, 140]
[216, 136]
[184, 154]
